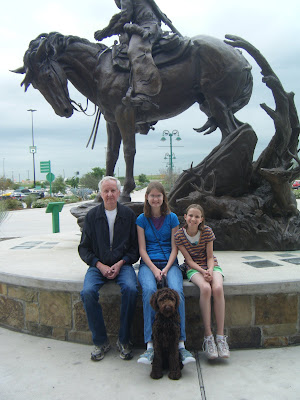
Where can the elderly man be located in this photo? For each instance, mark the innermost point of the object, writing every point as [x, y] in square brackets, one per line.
[109, 246]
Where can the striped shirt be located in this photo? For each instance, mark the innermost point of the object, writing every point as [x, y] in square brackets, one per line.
[197, 251]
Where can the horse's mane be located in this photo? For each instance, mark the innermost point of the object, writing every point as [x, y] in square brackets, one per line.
[50, 45]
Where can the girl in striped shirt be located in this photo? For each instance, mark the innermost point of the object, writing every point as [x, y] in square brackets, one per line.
[195, 241]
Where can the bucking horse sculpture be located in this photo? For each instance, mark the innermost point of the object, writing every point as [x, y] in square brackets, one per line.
[201, 69]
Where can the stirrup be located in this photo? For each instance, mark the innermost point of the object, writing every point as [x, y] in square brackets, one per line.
[139, 100]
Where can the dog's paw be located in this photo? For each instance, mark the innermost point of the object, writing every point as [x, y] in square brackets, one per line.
[156, 375]
[175, 375]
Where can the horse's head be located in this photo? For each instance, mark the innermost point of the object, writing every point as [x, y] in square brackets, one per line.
[42, 70]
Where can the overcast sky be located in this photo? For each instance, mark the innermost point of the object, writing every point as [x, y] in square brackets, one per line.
[273, 27]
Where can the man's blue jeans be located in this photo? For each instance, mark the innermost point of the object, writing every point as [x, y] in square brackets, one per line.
[149, 286]
[93, 282]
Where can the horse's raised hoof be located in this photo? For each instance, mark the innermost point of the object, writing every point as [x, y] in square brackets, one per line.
[209, 126]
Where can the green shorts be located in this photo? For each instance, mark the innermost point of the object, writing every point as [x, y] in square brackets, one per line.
[192, 272]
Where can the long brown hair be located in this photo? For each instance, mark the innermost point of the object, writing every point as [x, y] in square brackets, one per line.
[164, 208]
[198, 207]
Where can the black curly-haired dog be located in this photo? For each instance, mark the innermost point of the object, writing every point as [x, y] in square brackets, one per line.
[166, 333]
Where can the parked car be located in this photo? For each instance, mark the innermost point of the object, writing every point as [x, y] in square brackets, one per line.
[5, 196]
[18, 195]
[25, 191]
[59, 195]
[37, 193]
[296, 184]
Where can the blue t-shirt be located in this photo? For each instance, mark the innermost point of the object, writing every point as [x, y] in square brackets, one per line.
[163, 235]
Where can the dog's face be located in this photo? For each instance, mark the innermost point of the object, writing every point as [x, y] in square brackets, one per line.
[165, 301]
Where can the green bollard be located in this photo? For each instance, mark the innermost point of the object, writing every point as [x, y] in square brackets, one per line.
[55, 208]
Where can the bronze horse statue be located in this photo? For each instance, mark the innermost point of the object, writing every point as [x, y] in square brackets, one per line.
[209, 72]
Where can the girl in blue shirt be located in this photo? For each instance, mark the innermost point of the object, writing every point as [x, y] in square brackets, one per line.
[156, 228]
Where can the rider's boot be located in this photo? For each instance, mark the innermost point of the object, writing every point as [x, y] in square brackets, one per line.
[139, 100]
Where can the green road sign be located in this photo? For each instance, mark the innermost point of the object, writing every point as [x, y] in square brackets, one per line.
[50, 177]
[45, 167]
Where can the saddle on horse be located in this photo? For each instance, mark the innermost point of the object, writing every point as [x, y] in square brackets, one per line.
[169, 49]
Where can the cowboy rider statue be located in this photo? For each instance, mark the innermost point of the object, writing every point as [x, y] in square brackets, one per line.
[141, 20]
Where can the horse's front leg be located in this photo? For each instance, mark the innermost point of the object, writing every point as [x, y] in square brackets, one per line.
[129, 154]
[113, 147]
[125, 118]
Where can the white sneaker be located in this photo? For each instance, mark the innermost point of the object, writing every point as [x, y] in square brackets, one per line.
[209, 347]
[185, 356]
[223, 348]
[146, 357]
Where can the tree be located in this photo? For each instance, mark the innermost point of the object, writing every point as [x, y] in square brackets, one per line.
[73, 182]
[92, 179]
[89, 181]
[143, 178]
[38, 183]
[59, 185]
[169, 177]
[98, 172]
[5, 183]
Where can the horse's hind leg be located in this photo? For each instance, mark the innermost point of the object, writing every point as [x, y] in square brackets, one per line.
[210, 125]
[219, 115]
[223, 115]
[113, 147]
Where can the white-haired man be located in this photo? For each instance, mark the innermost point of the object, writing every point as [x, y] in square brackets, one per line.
[109, 246]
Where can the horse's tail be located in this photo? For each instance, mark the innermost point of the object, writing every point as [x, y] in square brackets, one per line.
[245, 93]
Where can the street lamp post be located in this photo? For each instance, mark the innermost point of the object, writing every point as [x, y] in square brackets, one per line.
[32, 148]
[171, 155]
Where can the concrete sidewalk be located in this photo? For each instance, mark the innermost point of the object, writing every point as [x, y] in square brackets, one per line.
[34, 368]
[36, 221]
